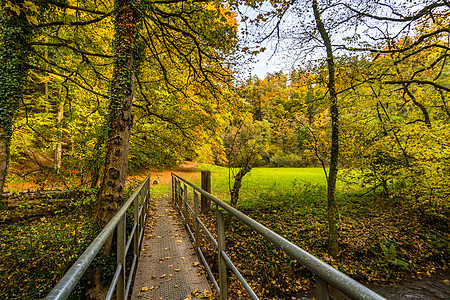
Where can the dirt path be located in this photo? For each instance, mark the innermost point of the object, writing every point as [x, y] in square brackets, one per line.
[168, 267]
[22, 183]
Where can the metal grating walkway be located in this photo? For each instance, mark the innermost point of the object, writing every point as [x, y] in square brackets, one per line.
[168, 267]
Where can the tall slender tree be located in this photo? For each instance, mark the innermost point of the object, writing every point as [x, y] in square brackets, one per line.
[333, 243]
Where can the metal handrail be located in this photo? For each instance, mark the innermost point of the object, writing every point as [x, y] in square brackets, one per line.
[140, 198]
[325, 274]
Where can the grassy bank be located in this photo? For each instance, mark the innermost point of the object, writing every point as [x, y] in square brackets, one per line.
[381, 239]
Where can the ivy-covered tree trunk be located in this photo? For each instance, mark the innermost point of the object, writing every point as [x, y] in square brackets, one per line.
[13, 71]
[332, 212]
[111, 194]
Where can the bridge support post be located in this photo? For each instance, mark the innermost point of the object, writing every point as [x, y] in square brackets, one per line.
[180, 195]
[221, 261]
[322, 289]
[121, 236]
[184, 206]
[136, 222]
[147, 203]
[173, 189]
[206, 186]
[197, 225]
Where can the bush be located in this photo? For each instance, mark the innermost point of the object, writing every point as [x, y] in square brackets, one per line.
[290, 160]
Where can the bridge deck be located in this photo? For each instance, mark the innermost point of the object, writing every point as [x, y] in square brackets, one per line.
[168, 266]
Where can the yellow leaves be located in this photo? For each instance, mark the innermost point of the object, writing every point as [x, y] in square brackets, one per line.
[145, 288]
[14, 7]
[32, 19]
[27, 7]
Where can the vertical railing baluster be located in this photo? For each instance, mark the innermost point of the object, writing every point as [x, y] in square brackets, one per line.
[197, 225]
[322, 289]
[136, 223]
[173, 188]
[185, 208]
[141, 217]
[180, 190]
[147, 204]
[121, 237]
[221, 261]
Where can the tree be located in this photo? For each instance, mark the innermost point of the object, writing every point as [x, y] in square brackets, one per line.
[243, 141]
[184, 59]
[307, 35]
[120, 118]
[24, 35]
[334, 152]
[15, 36]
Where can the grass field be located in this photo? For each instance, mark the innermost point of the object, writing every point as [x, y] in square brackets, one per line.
[261, 180]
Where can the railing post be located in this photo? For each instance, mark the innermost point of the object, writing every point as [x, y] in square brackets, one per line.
[322, 289]
[148, 197]
[180, 190]
[197, 225]
[136, 222]
[142, 196]
[173, 188]
[206, 186]
[121, 236]
[221, 261]
[175, 191]
[184, 205]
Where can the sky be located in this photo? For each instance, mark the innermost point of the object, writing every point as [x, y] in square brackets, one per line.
[266, 63]
[263, 63]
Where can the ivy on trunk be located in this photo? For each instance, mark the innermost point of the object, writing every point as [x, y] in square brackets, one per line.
[120, 121]
[14, 45]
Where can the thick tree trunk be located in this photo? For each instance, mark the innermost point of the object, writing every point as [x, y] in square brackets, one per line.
[111, 194]
[334, 153]
[14, 40]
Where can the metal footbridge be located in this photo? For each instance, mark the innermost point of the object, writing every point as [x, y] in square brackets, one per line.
[161, 255]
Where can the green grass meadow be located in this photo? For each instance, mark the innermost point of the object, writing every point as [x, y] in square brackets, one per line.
[261, 180]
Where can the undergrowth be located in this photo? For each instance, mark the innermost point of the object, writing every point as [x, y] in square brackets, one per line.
[35, 255]
[381, 240]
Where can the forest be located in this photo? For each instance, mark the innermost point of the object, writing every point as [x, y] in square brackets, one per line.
[93, 91]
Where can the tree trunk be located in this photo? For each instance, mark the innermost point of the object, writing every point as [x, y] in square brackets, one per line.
[238, 184]
[59, 118]
[334, 153]
[4, 146]
[111, 194]
[14, 40]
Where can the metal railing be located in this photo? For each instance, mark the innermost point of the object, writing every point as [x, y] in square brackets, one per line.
[325, 274]
[121, 282]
